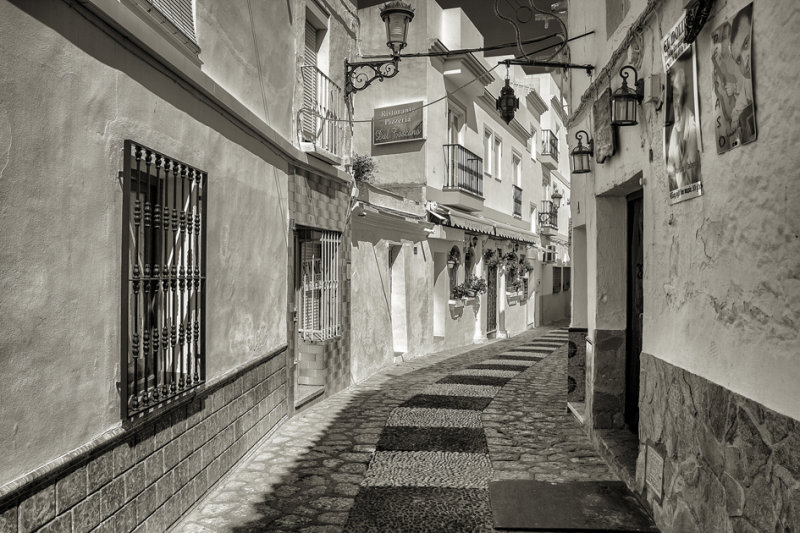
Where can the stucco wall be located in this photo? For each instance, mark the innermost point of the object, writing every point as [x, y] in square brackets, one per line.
[60, 210]
[372, 340]
[721, 279]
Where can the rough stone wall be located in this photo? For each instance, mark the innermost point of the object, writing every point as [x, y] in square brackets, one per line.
[322, 203]
[730, 463]
[576, 375]
[607, 374]
[148, 477]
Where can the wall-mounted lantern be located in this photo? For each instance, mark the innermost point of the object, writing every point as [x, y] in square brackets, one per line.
[556, 197]
[625, 100]
[396, 15]
[582, 154]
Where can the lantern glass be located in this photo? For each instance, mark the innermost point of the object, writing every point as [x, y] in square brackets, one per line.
[624, 108]
[580, 162]
[397, 17]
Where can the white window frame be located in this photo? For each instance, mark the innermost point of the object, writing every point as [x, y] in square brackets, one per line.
[488, 148]
[498, 157]
[516, 168]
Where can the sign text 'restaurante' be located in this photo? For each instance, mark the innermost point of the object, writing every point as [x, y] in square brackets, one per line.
[399, 123]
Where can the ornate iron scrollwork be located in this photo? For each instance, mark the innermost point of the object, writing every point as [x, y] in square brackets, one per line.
[697, 13]
[360, 75]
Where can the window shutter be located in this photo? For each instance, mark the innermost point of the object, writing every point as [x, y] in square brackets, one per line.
[310, 83]
[180, 13]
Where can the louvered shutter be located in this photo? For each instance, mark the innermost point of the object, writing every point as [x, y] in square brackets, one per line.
[178, 12]
[310, 83]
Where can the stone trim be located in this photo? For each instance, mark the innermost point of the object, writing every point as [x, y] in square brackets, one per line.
[155, 473]
[730, 464]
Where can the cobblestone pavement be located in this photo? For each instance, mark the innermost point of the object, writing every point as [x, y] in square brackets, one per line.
[412, 448]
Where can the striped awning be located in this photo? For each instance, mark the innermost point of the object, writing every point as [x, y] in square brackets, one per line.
[514, 233]
[459, 219]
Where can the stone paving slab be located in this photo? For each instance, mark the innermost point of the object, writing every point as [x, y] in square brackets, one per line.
[327, 468]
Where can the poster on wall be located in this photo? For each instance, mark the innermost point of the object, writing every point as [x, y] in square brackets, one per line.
[603, 132]
[734, 111]
[682, 142]
[397, 123]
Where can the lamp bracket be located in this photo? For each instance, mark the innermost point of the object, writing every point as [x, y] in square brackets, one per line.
[360, 74]
[556, 64]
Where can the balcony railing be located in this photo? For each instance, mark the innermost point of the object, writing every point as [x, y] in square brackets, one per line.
[517, 200]
[550, 144]
[464, 169]
[323, 107]
[548, 215]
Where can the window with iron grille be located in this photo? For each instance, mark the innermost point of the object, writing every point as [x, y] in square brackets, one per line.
[556, 280]
[164, 265]
[319, 284]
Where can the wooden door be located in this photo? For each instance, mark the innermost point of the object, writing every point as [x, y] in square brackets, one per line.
[635, 309]
[491, 301]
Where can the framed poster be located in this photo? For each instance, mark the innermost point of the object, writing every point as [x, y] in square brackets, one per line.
[732, 72]
[397, 123]
[682, 142]
[603, 132]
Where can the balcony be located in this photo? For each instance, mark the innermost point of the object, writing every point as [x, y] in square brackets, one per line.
[548, 218]
[517, 193]
[463, 185]
[319, 127]
[549, 153]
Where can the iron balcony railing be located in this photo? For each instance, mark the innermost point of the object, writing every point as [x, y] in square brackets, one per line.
[550, 144]
[322, 111]
[464, 169]
[517, 200]
[548, 215]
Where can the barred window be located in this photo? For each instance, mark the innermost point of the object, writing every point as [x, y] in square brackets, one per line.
[164, 260]
[319, 284]
[453, 262]
[567, 276]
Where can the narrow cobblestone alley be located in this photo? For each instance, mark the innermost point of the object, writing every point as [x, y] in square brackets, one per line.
[413, 448]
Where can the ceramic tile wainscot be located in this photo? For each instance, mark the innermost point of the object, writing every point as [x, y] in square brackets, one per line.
[149, 476]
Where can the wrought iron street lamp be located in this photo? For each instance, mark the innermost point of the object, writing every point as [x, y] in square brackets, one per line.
[507, 103]
[359, 75]
[581, 154]
[625, 100]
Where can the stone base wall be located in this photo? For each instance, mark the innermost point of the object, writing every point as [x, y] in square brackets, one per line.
[730, 464]
[576, 373]
[606, 410]
[146, 478]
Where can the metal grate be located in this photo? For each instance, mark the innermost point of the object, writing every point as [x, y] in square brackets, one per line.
[164, 265]
[180, 13]
[323, 109]
[550, 144]
[319, 285]
[548, 215]
[464, 169]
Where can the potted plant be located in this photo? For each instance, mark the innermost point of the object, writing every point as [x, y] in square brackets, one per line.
[363, 168]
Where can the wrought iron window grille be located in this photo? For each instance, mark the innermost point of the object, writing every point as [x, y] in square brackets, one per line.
[163, 270]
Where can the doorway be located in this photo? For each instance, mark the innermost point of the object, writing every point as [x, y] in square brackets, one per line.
[635, 308]
[491, 301]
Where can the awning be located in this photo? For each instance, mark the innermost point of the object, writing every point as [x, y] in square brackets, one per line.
[514, 233]
[460, 219]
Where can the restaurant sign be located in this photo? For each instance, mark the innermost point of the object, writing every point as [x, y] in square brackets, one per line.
[397, 123]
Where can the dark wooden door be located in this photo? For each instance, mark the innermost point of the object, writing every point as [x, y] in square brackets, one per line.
[635, 309]
[491, 301]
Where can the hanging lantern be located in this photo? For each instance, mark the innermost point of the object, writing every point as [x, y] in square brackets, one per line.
[507, 103]
[581, 154]
[625, 100]
[556, 197]
[396, 16]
